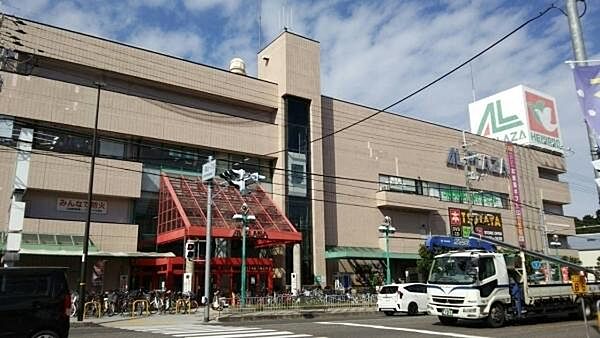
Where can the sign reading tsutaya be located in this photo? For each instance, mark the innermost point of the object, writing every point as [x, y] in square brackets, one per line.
[488, 224]
[79, 205]
[518, 115]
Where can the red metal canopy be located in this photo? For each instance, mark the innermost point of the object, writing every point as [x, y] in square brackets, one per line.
[182, 213]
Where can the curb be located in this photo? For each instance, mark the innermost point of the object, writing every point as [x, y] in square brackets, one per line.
[303, 315]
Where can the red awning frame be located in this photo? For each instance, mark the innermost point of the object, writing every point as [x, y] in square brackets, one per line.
[182, 208]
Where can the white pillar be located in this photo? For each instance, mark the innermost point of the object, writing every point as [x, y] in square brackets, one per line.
[297, 267]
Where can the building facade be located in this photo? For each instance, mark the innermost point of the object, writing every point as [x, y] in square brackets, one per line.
[159, 114]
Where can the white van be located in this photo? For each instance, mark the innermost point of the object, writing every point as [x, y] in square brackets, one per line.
[409, 297]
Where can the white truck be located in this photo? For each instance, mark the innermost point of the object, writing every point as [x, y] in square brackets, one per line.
[478, 283]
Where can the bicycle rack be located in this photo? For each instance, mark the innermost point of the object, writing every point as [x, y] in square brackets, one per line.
[145, 304]
[93, 302]
[184, 303]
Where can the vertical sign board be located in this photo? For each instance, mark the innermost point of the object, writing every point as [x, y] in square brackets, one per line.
[516, 193]
[519, 115]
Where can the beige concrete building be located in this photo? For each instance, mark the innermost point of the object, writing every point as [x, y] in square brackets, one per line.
[163, 114]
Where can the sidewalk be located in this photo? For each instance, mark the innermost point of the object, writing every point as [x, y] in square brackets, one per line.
[225, 316]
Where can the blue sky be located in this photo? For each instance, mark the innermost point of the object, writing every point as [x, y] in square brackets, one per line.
[372, 52]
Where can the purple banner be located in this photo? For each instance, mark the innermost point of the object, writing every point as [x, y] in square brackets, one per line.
[516, 193]
[587, 83]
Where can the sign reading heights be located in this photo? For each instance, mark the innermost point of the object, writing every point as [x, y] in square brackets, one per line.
[518, 115]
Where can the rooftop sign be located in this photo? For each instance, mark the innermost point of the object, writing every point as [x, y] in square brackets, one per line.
[518, 115]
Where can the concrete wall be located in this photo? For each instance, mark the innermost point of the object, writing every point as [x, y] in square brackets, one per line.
[8, 159]
[70, 173]
[399, 146]
[98, 53]
[110, 237]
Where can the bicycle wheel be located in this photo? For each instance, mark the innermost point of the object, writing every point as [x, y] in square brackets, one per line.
[193, 306]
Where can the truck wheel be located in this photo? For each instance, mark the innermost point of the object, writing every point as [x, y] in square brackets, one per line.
[497, 316]
[413, 309]
[389, 313]
[447, 320]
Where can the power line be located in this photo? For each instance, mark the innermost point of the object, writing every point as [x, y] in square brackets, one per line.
[69, 157]
[431, 83]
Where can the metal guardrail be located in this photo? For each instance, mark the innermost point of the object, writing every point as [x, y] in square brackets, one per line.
[288, 302]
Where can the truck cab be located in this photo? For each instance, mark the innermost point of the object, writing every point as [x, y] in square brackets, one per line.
[471, 284]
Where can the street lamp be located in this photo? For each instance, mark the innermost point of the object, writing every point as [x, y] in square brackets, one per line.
[555, 243]
[386, 228]
[244, 217]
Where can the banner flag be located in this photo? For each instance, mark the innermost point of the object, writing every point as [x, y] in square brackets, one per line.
[587, 83]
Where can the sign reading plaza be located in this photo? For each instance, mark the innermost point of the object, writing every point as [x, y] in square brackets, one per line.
[488, 224]
[519, 115]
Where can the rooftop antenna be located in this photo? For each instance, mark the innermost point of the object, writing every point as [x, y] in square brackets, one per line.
[259, 5]
[472, 83]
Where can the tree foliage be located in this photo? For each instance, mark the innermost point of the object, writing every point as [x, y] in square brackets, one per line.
[426, 259]
[588, 224]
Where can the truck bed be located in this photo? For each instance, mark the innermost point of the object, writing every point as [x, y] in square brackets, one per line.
[558, 290]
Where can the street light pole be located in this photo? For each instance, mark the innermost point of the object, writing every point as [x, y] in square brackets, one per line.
[208, 237]
[386, 228]
[243, 292]
[245, 218]
[86, 233]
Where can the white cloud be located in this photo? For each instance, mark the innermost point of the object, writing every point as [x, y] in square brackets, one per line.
[203, 5]
[184, 44]
[372, 52]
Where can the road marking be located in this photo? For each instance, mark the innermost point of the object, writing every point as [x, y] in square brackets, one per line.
[214, 331]
[381, 327]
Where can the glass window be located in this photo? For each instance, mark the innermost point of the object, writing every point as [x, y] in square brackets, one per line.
[409, 186]
[388, 290]
[486, 268]
[384, 182]
[450, 270]
[477, 198]
[23, 285]
[434, 190]
[112, 149]
[395, 183]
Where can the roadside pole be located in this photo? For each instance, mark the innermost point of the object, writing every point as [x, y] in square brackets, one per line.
[208, 173]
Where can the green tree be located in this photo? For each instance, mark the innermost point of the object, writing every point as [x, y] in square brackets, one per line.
[588, 224]
[426, 259]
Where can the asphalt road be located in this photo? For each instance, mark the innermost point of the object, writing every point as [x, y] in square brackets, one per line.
[357, 326]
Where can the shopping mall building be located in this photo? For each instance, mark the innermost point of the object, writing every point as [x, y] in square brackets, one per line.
[318, 209]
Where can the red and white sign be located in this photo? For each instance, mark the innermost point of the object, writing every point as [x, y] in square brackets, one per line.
[516, 193]
[79, 205]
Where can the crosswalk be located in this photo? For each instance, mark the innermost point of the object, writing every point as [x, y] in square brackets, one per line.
[214, 331]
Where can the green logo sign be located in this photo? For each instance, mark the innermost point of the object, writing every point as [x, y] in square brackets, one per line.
[493, 116]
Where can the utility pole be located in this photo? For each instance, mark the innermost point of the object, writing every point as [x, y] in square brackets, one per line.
[208, 173]
[86, 233]
[581, 57]
[544, 233]
[468, 176]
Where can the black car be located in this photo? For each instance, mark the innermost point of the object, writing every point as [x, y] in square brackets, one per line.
[34, 302]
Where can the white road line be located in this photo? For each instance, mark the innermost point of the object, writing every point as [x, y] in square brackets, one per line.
[185, 333]
[435, 333]
[222, 331]
[273, 334]
[226, 333]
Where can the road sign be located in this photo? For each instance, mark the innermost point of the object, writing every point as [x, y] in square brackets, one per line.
[208, 170]
[187, 282]
[578, 284]
[536, 265]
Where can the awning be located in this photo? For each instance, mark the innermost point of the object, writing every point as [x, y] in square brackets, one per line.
[346, 252]
[69, 245]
